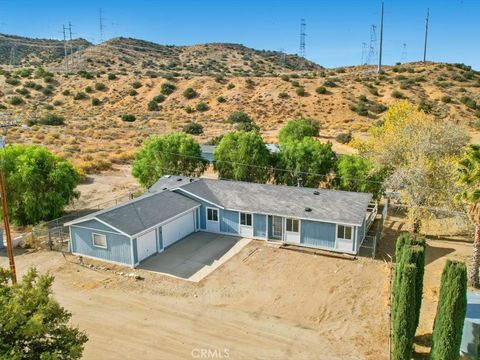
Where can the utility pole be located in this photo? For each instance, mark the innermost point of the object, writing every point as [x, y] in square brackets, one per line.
[379, 69]
[5, 125]
[426, 36]
[65, 47]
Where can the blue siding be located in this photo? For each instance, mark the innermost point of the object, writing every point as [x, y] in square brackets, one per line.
[135, 253]
[118, 246]
[260, 225]
[159, 239]
[1, 239]
[269, 219]
[229, 221]
[320, 234]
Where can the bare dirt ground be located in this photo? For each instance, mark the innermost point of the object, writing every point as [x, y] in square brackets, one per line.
[269, 303]
[273, 304]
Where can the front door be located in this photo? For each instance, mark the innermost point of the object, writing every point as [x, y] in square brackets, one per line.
[277, 228]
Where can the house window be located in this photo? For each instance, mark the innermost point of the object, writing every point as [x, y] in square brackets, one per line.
[99, 240]
[344, 232]
[292, 225]
[245, 219]
[212, 214]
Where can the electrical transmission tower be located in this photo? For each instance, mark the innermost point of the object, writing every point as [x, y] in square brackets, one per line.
[13, 50]
[283, 57]
[364, 54]
[372, 52]
[64, 31]
[303, 34]
[426, 36]
[101, 19]
[403, 59]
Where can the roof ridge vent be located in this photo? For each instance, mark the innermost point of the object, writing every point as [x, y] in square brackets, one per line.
[179, 179]
[307, 209]
[316, 192]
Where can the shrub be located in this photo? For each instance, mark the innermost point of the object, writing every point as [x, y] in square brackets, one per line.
[22, 91]
[52, 120]
[132, 92]
[221, 99]
[201, 106]
[295, 84]
[159, 98]
[88, 89]
[152, 105]
[189, 109]
[193, 128]
[247, 127]
[95, 101]
[300, 91]
[80, 96]
[190, 93]
[451, 310]
[12, 81]
[25, 73]
[344, 138]
[66, 92]
[47, 91]
[57, 103]
[100, 87]
[469, 102]
[128, 117]
[446, 99]
[230, 86]
[111, 76]
[239, 117]
[16, 100]
[283, 95]
[398, 94]
[321, 90]
[378, 108]
[285, 78]
[329, 83]
[48, 79]
[136, 84]
[425, 106]
[30, 84]
[167, 88]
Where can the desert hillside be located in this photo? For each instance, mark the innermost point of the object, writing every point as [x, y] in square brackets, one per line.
[128, 77]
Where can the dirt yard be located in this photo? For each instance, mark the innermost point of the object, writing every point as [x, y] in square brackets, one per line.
[264, 303]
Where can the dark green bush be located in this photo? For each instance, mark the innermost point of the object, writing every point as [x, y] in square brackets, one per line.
[189, 109]
[321, 90]
[52, 120]
[300, 91]
[22, 91]
[100, 87]
[112, 76]
[132, 92]
[167, 88]
[283, 95]
[193, 128]
[446, 99]
[95, 101]
[136, 84]
[159, 98]
[239, 117]
[330, 83]
[128, 117]
[16, 100]
[285, 78]
[221, 99]
[230, 86]
[66, 92]
[80, 96]
[12, 81]
[398, 94]
[190, 93]
[152, 105]
[201, 106]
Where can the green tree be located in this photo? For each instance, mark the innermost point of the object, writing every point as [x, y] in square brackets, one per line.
[357, 173]
[175, 153]
[34, 325]
[242, 156]
[307, 159]
[451, 310]
[469, 178]
[38, 183]
[404, 315]
[298, 129]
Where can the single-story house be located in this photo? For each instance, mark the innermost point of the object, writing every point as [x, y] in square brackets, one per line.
[175, 207]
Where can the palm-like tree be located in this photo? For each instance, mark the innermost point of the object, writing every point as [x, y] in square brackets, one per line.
[469, 176]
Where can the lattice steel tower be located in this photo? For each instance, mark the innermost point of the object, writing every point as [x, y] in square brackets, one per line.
[303, 34]
[372, 52]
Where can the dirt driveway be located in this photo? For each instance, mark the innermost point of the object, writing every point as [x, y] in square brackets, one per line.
[264, 303]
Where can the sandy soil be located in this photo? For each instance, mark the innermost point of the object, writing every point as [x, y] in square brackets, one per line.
[258, 306]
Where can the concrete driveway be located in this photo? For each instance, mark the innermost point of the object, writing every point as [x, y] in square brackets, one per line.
[195, 256]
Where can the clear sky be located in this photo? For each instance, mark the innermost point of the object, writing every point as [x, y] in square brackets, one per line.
[335, 29]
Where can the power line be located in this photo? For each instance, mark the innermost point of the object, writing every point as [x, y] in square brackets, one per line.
[379, 69]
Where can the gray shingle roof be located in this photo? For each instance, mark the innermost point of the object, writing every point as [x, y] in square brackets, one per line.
[326, 205]
[144, 212]
[169, 182]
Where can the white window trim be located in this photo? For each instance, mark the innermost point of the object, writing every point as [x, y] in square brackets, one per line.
[212, 208]
[99, 246]
[339, 238]
[292, 232]
[240, 219]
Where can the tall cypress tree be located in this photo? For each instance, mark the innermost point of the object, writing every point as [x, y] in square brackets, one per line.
[403, 324]
[451, 310]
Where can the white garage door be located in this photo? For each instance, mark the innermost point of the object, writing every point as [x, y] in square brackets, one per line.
[146, 245]
[178, 229]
